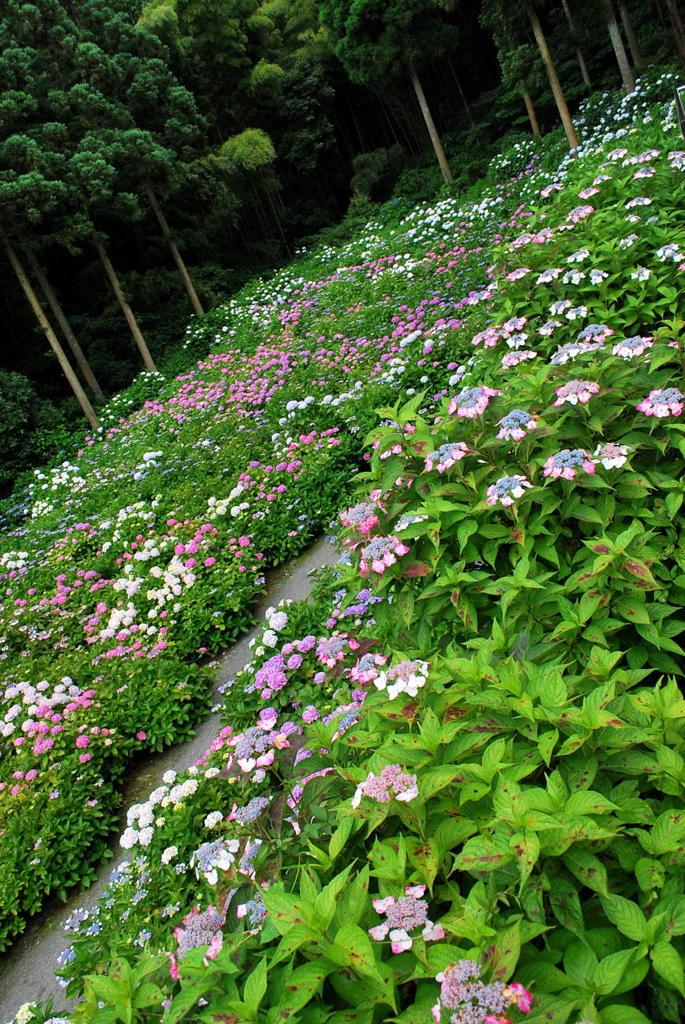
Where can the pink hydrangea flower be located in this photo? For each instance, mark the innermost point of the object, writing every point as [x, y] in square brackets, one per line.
[507, 489]
[514, 358]
[361, 517]
[576, 391]
[628, 348]
[612, 456]
[666, 402]
[381, 553]
[392, 782]
[515, 424]
[446, 456]
[567, 462]
[403, 916]
[462, 990]
[471, 402]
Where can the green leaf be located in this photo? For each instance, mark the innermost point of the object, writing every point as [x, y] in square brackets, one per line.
[483, 853]
[148, 994]
[627, 917]
[587, 868]
[255, 987]
[325, 902]
[358, 1015]
[352, 904]
[116, 992]
[563, 898]
[666, 834]
[301, 984]
[105, 1015]
[352, 948]
[547, 743]
[668, 964]
[425, 857]
[184, 1001]
[650, 874]
[632, 609]
[641, 572]
[580, 962]
[299, 935]
[622, 1014]
[610, 970]
[284, 910]
[434, 779]
[588, 802]
[505, 952]
[526, 847]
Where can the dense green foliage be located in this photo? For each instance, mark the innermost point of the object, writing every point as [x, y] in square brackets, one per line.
[241, 116]
[465, 755]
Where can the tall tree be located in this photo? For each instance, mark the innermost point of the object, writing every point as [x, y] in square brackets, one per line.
[555, 84]
[518, 60]
[65, 326]
[32, 298]
[619, 48]
[379, 40]
[631, 36]
[579, 53]
[678, 26]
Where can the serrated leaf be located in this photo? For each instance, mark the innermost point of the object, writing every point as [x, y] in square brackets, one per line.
[650, 874]
[352, 948]
[432, 780]
[587, 868]
[668, 964]
[526, 847]
[295, 938]
[301, 984]
[627, 916]
[587, 801]
[483, 853]
[611, 969]
[255, 987]
[503, 955]
[184, 1001]
[622, 1014]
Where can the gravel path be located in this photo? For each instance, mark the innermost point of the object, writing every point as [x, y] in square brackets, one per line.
[26, 970]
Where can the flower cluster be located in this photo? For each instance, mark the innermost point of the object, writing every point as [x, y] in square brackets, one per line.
[660, 403]
[446, 456]
[200, 928]
[402, 916]
[515, 425]
[470, 1001]
[566, 463]
[576, 391]
[471, 402]
[507, 489]
[393, 781]
[380, 553]
[405, 677]
[362, 517]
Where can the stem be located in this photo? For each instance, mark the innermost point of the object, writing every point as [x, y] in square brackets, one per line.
[554, 82]
[80, 394]
[178, 259]
[65, 326]
[430, 125]
[619, 49]
[125, 308]
[634, 45]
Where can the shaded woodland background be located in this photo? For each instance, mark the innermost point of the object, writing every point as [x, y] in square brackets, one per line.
[154, 156]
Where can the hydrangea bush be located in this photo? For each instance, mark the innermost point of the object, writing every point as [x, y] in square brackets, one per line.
[450, 787]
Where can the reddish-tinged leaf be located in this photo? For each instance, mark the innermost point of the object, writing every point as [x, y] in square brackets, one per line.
[416, 569]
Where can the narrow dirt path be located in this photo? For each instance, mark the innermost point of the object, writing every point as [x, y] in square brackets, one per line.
[26, 970]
